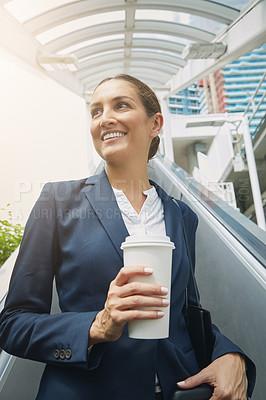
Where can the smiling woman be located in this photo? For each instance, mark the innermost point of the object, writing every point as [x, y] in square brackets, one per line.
[74, 235]
[140, 109]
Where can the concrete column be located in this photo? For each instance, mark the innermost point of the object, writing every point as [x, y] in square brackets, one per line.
[253, 174]
[206, 94]
[213, 93]
[167, 134]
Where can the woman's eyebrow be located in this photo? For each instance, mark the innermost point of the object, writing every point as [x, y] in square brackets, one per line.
[95, 104]
[117, 98]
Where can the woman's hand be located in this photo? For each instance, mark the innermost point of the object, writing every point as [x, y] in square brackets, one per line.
[227, 374]
[124, 302]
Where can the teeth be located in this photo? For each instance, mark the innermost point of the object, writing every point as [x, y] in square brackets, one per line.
[112, 135]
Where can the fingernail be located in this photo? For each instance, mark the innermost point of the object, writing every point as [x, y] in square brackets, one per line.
[181, 383]
[165, 302]
[164, 290]
[148, 270]
[160, 314]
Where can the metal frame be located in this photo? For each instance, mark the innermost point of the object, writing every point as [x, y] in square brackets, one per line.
[165, 54]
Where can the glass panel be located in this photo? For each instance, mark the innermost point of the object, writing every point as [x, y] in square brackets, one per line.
[181, 18]
[149, 50]
[27, 9]
[80, 23]
[160, 36]
[102, 53]
[160, 15]
[238, 4]
[90, 42]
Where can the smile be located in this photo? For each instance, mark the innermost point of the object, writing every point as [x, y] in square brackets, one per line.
[113, 135]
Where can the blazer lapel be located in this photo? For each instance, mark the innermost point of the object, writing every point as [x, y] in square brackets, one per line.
[173, 224]
[102, 199]
[170, 214]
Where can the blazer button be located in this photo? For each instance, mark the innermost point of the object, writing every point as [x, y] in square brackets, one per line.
[62, 354]
[56, 354]
[68, 354]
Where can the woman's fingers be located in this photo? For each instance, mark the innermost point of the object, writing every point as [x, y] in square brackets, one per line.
[140, 288]
[126, 273]
[123, 287]
[135, 295]
[122, 317]
[227, 375]
[139, 301]
[127, 301]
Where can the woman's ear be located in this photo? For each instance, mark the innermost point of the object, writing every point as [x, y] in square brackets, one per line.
[157, 124]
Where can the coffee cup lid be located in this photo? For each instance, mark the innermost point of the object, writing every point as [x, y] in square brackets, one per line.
[139, 240]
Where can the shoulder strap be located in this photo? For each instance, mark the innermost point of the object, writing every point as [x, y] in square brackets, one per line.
[189, 257]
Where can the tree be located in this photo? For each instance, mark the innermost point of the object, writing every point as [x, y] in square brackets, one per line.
[10, 237]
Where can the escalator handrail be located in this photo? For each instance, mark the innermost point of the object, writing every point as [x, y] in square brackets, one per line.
[245, 231]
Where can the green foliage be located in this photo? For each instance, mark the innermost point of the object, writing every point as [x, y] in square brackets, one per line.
[10, 237]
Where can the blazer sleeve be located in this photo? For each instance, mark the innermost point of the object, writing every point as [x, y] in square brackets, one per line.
[27, 329]
[222, 344]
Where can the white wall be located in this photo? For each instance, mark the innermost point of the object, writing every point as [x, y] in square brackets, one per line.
[44, 135]
[219, 155]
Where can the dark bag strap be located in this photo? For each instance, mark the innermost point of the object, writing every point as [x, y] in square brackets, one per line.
[189, 259]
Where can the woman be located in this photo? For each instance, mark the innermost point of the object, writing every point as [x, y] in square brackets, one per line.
[74, 234]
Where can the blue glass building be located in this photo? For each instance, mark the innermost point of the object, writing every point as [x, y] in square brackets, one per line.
[235, 85]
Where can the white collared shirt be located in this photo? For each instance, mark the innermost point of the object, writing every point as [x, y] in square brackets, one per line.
[151, 217]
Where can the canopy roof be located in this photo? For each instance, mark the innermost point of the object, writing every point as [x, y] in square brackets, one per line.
[144, 38]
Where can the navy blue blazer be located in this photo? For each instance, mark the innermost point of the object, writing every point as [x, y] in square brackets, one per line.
[74, 235]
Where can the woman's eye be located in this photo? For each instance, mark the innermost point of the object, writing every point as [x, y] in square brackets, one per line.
[95, 112]
[123, 105]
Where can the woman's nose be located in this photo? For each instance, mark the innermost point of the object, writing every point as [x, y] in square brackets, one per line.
[107, 118]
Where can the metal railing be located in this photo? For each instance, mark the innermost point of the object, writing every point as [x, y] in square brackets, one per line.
[245, 231]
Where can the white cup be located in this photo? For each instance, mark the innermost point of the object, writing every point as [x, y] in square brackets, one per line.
[153, 251]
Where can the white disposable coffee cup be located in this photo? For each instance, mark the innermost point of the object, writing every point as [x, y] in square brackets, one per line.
[153, 251]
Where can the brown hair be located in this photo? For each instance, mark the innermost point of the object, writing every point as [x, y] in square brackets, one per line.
[149, 101]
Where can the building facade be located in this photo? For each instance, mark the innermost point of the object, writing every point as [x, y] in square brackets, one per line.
[228, 90]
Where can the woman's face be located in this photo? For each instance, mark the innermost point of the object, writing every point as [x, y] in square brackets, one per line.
[120, 127]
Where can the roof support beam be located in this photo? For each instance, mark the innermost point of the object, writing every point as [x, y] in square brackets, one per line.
[244, 35]
[144, 26]
[151, 80]
[207, 9]
[115, 67]
[21, 44]
[157, 68]
[129, 25]
[169, 62]
[170, 48]
[79, 9]
[175, 29]
[16, 40]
